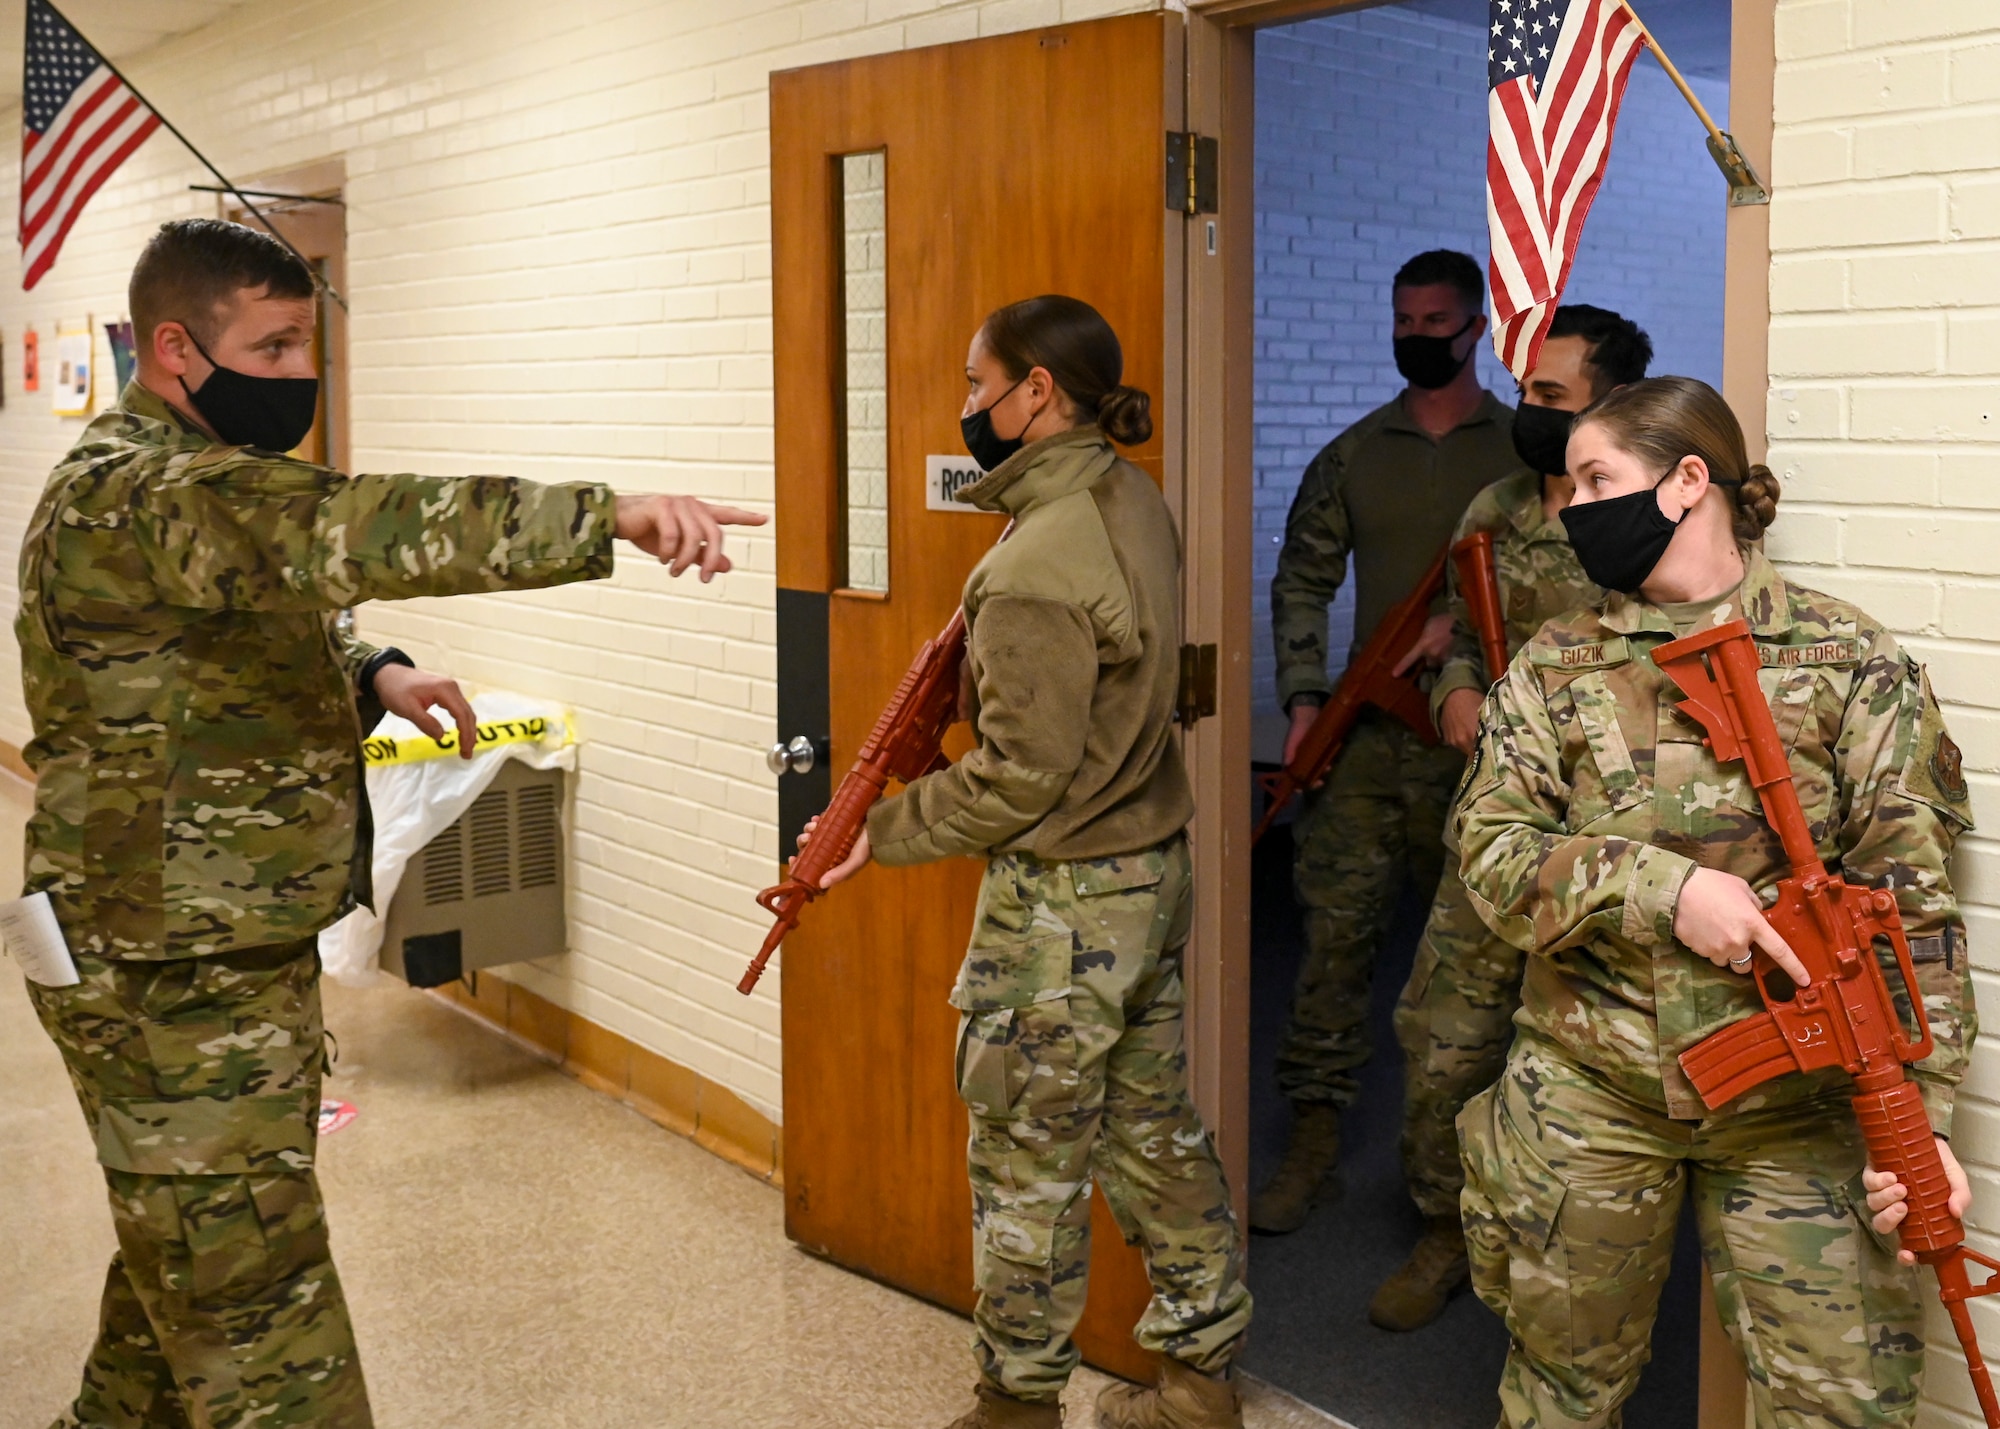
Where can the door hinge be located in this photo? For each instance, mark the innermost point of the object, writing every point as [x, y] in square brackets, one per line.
[1197, 699]
[1192, 163]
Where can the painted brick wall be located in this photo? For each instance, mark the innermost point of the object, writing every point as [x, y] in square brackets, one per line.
[1371, 146]
[559, 262]
[1885, 406]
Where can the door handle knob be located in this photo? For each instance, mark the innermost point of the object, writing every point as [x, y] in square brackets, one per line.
[796, 756]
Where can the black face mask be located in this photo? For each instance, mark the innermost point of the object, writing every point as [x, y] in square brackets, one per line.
[1541, 437]
[986, 446]
[272, 414]
[1619, 541]
[1427, 362]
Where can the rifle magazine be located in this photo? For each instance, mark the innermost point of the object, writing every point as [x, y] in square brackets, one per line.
[1726, 1064]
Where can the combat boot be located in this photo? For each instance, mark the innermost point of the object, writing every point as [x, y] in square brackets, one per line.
[1185, 1398]
[994, 1410]
[1288, 1197]
[1436, 1270]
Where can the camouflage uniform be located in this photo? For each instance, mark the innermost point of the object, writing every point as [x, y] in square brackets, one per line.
[198, 817]
[222, 1305]
[1591, 800]
[1456, 1015]
[1384, 492]
[1070, 1060]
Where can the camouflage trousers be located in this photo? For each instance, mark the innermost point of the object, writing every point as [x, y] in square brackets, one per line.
[1454, 1022]
[200, 1079]
[1572, 1193]
[1071, 1063]
[1378, 819]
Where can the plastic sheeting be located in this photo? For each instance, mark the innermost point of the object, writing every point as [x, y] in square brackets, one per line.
[418, 788]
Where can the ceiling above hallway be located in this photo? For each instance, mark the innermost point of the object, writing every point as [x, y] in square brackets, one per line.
[1694, 32]
[119, 29]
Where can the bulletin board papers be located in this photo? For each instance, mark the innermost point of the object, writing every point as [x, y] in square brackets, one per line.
[70, 392]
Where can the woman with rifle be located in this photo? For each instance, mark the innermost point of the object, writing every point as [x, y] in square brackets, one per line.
[1070, 1056]
[1598, 833]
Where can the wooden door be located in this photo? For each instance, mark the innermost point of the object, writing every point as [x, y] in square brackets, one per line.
[1012, 166]
[306, 206]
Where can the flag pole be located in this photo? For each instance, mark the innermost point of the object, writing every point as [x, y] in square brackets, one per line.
[319, 279]
[1745, 188]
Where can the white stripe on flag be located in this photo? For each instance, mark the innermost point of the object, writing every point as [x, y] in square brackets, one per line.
[58, 142]
[80, 184]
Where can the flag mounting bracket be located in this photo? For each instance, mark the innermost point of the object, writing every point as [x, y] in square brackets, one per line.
[1745, 188]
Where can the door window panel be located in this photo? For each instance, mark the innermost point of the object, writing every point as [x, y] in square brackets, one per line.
[865, 326]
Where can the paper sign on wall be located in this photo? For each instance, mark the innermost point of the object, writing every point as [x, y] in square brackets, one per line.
[70, 394]
[123, 360]
[31, 361]
[945, 477]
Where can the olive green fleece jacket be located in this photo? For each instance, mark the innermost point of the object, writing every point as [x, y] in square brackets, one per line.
[1073, 657]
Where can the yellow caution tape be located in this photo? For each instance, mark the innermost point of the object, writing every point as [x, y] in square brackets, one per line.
[384, 749]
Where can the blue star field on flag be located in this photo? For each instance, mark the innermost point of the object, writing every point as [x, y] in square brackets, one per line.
[58, 60]
[1522, 39]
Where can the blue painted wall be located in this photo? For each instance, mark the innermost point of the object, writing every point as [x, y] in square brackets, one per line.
[1371, 146]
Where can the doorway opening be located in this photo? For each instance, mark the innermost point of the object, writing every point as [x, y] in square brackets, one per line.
[1369, 148]
[307, 207]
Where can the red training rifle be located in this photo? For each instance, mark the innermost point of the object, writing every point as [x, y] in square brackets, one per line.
[1367, 682]
[906, 742]
[1479, 583]
[1846, 1017]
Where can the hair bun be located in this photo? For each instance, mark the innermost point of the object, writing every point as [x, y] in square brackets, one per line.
[1126, 414]
[1758, 497]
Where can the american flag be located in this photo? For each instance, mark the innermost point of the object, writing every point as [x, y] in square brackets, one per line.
[1555, 71]
[79, 122]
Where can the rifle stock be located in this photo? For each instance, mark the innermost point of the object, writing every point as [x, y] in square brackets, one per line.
[905, 743]
[1847, 1016]
[1366, 683]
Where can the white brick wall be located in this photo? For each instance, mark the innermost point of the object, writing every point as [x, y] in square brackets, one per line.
[1884, 414]
[1371, 147]
[558, 234]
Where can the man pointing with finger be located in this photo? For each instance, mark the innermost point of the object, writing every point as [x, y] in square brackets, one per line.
[199, 813]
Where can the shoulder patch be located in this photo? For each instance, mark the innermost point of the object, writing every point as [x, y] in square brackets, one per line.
[1934, 773]
[1948, 768]
[1840, 650]
[1593, 655]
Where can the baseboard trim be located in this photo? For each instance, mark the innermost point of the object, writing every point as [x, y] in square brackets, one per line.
[678, 1098]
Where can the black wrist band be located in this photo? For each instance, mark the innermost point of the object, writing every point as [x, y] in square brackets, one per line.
[373, 666]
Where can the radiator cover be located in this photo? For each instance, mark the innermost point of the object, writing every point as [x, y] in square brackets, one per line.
[487, 890]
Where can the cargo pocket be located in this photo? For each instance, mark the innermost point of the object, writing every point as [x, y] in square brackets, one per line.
[1892, 1305]
[1016, 1046]
[1095, 877]
[240, 1236]
[1125, 906]
[1014, 1271]
[1511, 1204]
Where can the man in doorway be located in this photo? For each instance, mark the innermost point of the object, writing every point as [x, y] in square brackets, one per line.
[1455, 1020]
[1385, 492]
[199, 813]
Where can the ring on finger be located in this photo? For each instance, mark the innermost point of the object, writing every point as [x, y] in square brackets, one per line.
[1742, 962]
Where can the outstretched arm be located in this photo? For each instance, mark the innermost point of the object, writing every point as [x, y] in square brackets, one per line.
[244, 532]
